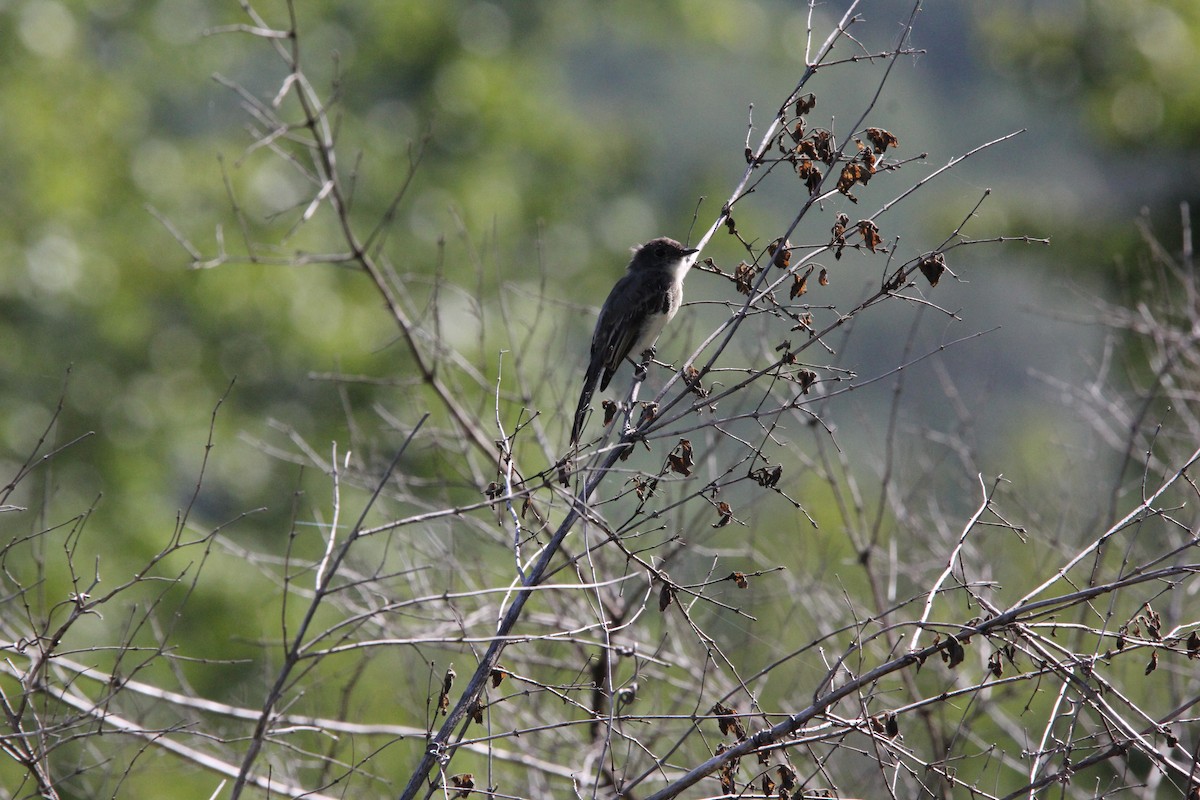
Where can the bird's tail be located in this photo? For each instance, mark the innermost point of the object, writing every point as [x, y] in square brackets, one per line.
[585, 398]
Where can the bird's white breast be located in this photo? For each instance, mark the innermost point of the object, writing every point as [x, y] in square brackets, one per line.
[656, 323]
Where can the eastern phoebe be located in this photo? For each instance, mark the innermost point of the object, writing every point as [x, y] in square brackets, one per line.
[637, 309]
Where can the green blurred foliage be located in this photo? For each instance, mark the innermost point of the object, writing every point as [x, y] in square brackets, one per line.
[1116, 85]
[1134, 63]
[109, 111]
[1125, 74]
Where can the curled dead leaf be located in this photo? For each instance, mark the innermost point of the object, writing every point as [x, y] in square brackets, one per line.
[743, 277]
[825, 146]
[882, 139]
[953, 654]
[869, 232]
[787, 778]
[463, 782]
[932, 266]
[780, 252]
[610, 411]
[444, 695]
[799, 285]
[728, 721]
[665, 596]
[680, 459]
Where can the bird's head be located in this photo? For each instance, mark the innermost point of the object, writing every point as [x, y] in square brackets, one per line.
[660, 253]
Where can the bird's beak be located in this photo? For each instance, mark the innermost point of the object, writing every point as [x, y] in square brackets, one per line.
[692, 250]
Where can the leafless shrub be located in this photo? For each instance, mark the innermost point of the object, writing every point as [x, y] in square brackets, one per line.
[656, 614]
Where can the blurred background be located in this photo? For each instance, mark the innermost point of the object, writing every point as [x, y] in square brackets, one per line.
[560, 134]
[553, 136]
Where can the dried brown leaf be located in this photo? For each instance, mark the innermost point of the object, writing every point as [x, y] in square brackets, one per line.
[932, 266]
[882, 139]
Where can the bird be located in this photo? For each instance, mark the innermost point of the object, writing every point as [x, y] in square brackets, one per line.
[639, 306]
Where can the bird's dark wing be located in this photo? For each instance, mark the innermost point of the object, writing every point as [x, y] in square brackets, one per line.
[624, 317]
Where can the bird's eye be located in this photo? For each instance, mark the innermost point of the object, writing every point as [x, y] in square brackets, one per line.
[660, 251]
